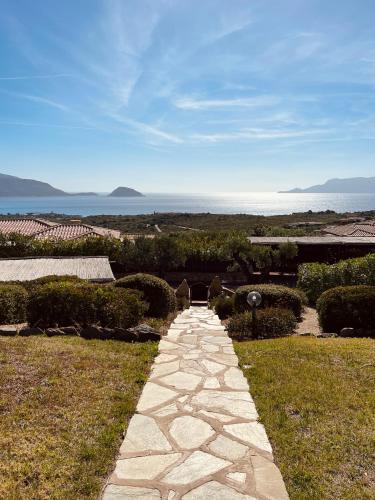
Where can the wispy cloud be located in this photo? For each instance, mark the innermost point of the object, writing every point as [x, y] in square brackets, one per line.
[146, 129]
[38, 99]
[248, 102]
[256, 134]
[36, 77]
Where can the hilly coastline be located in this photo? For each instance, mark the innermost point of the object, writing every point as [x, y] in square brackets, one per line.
[12, 186]
[351, 185]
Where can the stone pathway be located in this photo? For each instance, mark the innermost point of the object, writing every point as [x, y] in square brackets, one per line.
[195, 435]
[309, 323]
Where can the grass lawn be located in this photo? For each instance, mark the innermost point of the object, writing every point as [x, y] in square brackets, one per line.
[64, 403]
[316, 399]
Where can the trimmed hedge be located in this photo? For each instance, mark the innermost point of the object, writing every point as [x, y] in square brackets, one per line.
[272, 296]
[272, 322]
[13, 304]
[64, 304]
[315, 278]
[223, 306]
[156, 292]
[350, 306]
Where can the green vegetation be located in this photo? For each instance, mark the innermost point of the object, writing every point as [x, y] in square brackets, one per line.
[13, 303]
[223, 306]
[60, 428]
[315, 278]
[272, 296]
[271, 322]
[65, 303]
[349, 306]
[316, 398]
[156, 292]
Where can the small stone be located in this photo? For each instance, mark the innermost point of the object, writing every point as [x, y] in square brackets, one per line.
[239, 477]
[252, 433]
[117, 492]
[347, 332]
[144, 333]
[182, 381]
[227, 448]
[190, 432]
[196, 466]
[211, 383]
[143, 434]
[144, 467]
[215, 491]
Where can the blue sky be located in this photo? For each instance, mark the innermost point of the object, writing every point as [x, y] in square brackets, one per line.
[187, 95]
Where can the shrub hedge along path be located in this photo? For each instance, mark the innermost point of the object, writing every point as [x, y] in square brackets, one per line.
[196, 434]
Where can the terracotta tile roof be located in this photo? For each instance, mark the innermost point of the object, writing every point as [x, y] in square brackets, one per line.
[366, 228]
[43, 230]
[27, 227]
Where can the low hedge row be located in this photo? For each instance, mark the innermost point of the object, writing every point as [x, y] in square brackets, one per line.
[13, 304]
[60, 304]
[223, 306]
[347, 307]
[156, 292]
[272, 296]
[315, 278]
[271, 322]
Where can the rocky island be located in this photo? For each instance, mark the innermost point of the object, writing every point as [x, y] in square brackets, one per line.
[125, 192]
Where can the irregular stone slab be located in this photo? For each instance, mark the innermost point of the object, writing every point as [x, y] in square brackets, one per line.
[190, 432]
[211, 383]
[182, 380]
[144, 467]
[165, 358]
[117, 492]
[215, 491]
[217, 416]
[143, 434]
[234, 379]
[165, 369]
[212, 367]
[164, 345]
[166, 410]
[154, 395]
[252, 433]
[227, 448]
[197, 466]
[210, 348]
[268, 480]
[225, 359]
[234, 403]
[239, 477]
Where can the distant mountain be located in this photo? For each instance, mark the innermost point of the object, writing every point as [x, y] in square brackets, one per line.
[352, 185]
[15, 186]
[122, 192]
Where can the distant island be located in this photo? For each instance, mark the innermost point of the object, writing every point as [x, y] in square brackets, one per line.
[121, 192]
[11, 185]
[351, 185]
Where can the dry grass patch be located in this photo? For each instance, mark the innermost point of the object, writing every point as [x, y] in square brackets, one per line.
[316, 399]
[64, 403]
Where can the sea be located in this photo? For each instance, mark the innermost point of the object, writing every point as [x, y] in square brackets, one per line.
[218, 203]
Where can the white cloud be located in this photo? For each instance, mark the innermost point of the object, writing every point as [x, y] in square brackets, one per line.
[147, 129]
[256, 134]
[245, 102]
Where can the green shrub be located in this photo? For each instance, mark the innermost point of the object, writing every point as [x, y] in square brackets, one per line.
[156, 292]
[215, 289]
[315, 278]
[223, 306]
[272, 296]
[65, 303]
[13, 304]
[183, 295]
[271, 322]
[350, 306]
[30, 285]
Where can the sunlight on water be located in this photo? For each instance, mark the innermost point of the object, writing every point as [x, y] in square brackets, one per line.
[225, 203]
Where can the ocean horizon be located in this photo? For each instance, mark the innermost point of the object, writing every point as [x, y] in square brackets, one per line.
[256, 203]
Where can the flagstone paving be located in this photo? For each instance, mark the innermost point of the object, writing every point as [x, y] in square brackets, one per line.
[196, 435]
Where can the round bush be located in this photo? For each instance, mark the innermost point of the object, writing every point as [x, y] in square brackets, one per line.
[65, 304]
[53, 278]
[156, 292]
[271, 323]
[347, 306]
[272, 296]
[223, 306]
[13, 304]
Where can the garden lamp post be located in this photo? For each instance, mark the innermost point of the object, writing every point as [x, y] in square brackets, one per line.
[254, 299]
